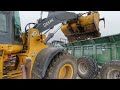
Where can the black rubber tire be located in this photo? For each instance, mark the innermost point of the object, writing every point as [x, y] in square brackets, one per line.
[57, 62]
[92, 68]
[107, 67]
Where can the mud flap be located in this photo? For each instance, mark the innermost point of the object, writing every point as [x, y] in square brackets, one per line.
[43, 60]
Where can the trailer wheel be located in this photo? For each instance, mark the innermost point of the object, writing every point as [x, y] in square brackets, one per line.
[87, 68]
[63, 66]
[111, 70]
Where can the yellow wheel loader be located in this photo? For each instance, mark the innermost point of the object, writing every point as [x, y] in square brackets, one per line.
[25, 55]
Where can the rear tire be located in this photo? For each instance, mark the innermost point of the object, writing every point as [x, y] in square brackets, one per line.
[87, 68]
[63, 66]
[110, 70]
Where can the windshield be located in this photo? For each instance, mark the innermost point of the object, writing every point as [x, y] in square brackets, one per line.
[2, 22]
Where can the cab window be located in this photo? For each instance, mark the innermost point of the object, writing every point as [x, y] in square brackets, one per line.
[2, 22]
[17, 26]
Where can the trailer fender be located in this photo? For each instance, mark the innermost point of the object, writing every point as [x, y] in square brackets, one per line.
[43, 60]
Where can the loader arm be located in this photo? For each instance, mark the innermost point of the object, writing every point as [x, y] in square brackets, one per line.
[55, 18]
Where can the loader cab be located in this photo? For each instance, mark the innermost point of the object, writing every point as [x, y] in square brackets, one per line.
[10, 28]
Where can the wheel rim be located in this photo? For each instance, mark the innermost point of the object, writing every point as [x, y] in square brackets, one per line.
[66, 72]
[82, 67]
[113, 74]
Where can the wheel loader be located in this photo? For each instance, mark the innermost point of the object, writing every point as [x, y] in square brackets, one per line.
[85, 27]
[25, 54]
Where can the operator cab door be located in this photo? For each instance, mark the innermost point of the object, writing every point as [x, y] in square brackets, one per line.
[9, 30]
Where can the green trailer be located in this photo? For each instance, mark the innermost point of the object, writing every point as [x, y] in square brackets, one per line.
[97, 56]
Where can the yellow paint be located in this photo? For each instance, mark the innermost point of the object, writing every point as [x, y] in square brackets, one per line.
[14, 74]
[1, 67]
[35, 43]
[74, 27]
[9, 49]
[66, 72]
[86, 22]
[65, 30]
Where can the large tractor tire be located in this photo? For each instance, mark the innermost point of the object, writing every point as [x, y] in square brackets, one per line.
[87, 68]
[63, 66]
[54, 66]
[110, 70]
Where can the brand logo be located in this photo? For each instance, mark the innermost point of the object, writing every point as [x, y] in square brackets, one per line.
[48, 22]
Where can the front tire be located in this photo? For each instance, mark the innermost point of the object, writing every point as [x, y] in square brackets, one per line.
[63, 66]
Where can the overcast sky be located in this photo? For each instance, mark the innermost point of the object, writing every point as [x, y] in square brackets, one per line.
[112, 19]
